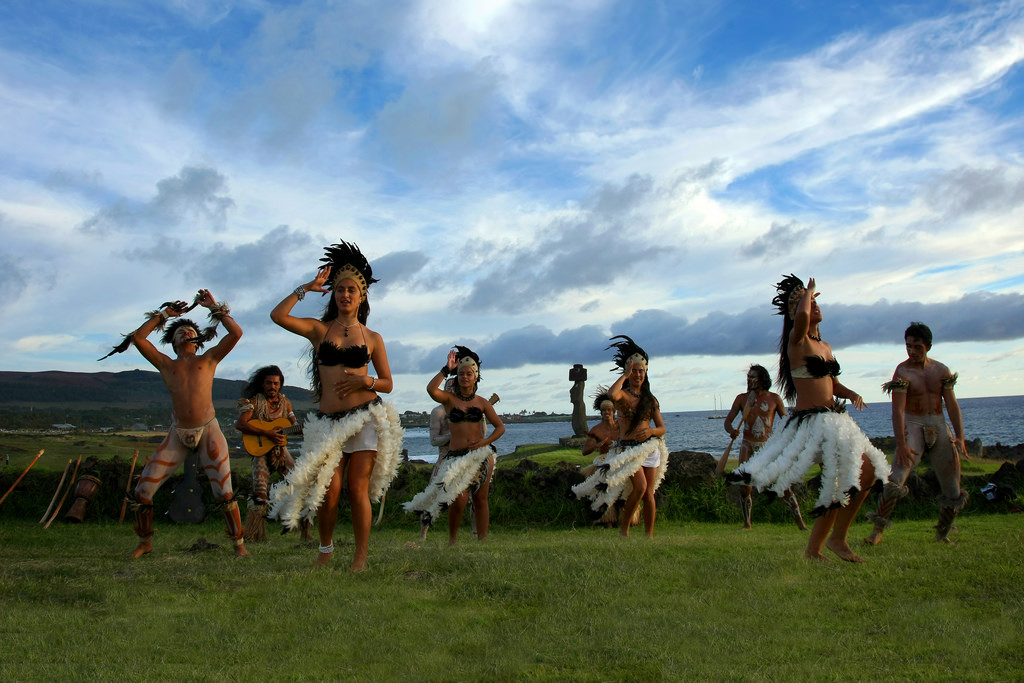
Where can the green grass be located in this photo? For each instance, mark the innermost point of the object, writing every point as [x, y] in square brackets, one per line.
[702, 601]
[545, 455]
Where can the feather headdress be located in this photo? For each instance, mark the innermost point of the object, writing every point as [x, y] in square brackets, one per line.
[346, 261]
[600, 396]
[627, 350]
[788, 293]
[466, 356]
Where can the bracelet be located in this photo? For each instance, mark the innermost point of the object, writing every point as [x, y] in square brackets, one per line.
[159, 313]
[444, 370]
[220, 310]
[300, 292]
[327, 549]
[373, 383]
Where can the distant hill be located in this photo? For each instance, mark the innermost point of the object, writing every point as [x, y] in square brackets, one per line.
[132, 388]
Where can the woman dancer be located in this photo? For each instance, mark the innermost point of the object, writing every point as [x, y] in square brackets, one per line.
[604, 438]
[818, 429]
[636, 471]
[353, 432]
[468, 466]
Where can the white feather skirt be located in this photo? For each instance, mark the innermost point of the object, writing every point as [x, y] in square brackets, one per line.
[453, 476]
[302, 491]
[830, 438]
[611, 480]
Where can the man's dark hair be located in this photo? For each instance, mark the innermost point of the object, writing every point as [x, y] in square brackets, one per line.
[919, 331]
[255, 385]
[764, 378]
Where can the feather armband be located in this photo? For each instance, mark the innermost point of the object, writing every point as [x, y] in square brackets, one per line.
[898, 385]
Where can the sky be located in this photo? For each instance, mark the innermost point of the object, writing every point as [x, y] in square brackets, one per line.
[527, 178]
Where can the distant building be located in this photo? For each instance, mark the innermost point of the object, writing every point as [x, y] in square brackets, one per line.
[65, 427]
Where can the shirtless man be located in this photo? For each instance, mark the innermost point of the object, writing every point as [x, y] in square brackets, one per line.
[757, 409]
[920, 386]
[194, 427]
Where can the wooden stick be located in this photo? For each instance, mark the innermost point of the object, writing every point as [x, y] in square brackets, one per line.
[22, 476]
[56, 493]
[720, 470]
[128, 487]
[74, 475]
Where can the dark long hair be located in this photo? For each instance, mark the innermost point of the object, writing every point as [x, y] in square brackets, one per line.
[255, 385]
[784, 380]
[763, 378]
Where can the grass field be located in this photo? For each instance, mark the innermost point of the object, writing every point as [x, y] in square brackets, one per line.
[700, 602]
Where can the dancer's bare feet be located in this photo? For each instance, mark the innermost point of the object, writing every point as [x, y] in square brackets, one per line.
[240, 550]
[875, 537]
[747, 527]
[816, 556]
[322, 559]
[358, 567]
[843, 550]
[144, 548]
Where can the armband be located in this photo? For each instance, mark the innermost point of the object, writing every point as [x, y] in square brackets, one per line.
[898, 385]
[159, 313]
[950, 382]
[218, 311]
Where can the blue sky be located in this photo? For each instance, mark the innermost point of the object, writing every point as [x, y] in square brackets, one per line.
[527, 178]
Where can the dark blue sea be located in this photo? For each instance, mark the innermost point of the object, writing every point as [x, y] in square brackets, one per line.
[993, 420]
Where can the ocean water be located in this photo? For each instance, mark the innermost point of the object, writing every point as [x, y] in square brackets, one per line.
[993, 420]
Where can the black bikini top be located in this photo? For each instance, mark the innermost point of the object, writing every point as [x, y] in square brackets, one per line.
[474, 414]
[816, 367]
[349, 356]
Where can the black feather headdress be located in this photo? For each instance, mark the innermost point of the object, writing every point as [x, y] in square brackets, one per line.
[346, 260]
[626, 349]
[785, 290]
[600, 396]
[464, 353]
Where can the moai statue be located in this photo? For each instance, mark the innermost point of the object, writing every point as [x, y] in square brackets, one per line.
[578, 376]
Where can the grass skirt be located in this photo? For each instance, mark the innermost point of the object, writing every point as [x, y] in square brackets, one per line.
[302, 491]
[453, 476]
[611, 480]
[830, 438]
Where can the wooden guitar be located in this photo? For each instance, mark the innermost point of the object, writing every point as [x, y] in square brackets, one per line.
[257, 444]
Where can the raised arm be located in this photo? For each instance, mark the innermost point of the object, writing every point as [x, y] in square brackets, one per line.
[282, 313]
[222, 313]
[802, 316]
[615, 392]
[434, 385]
[140, 337]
